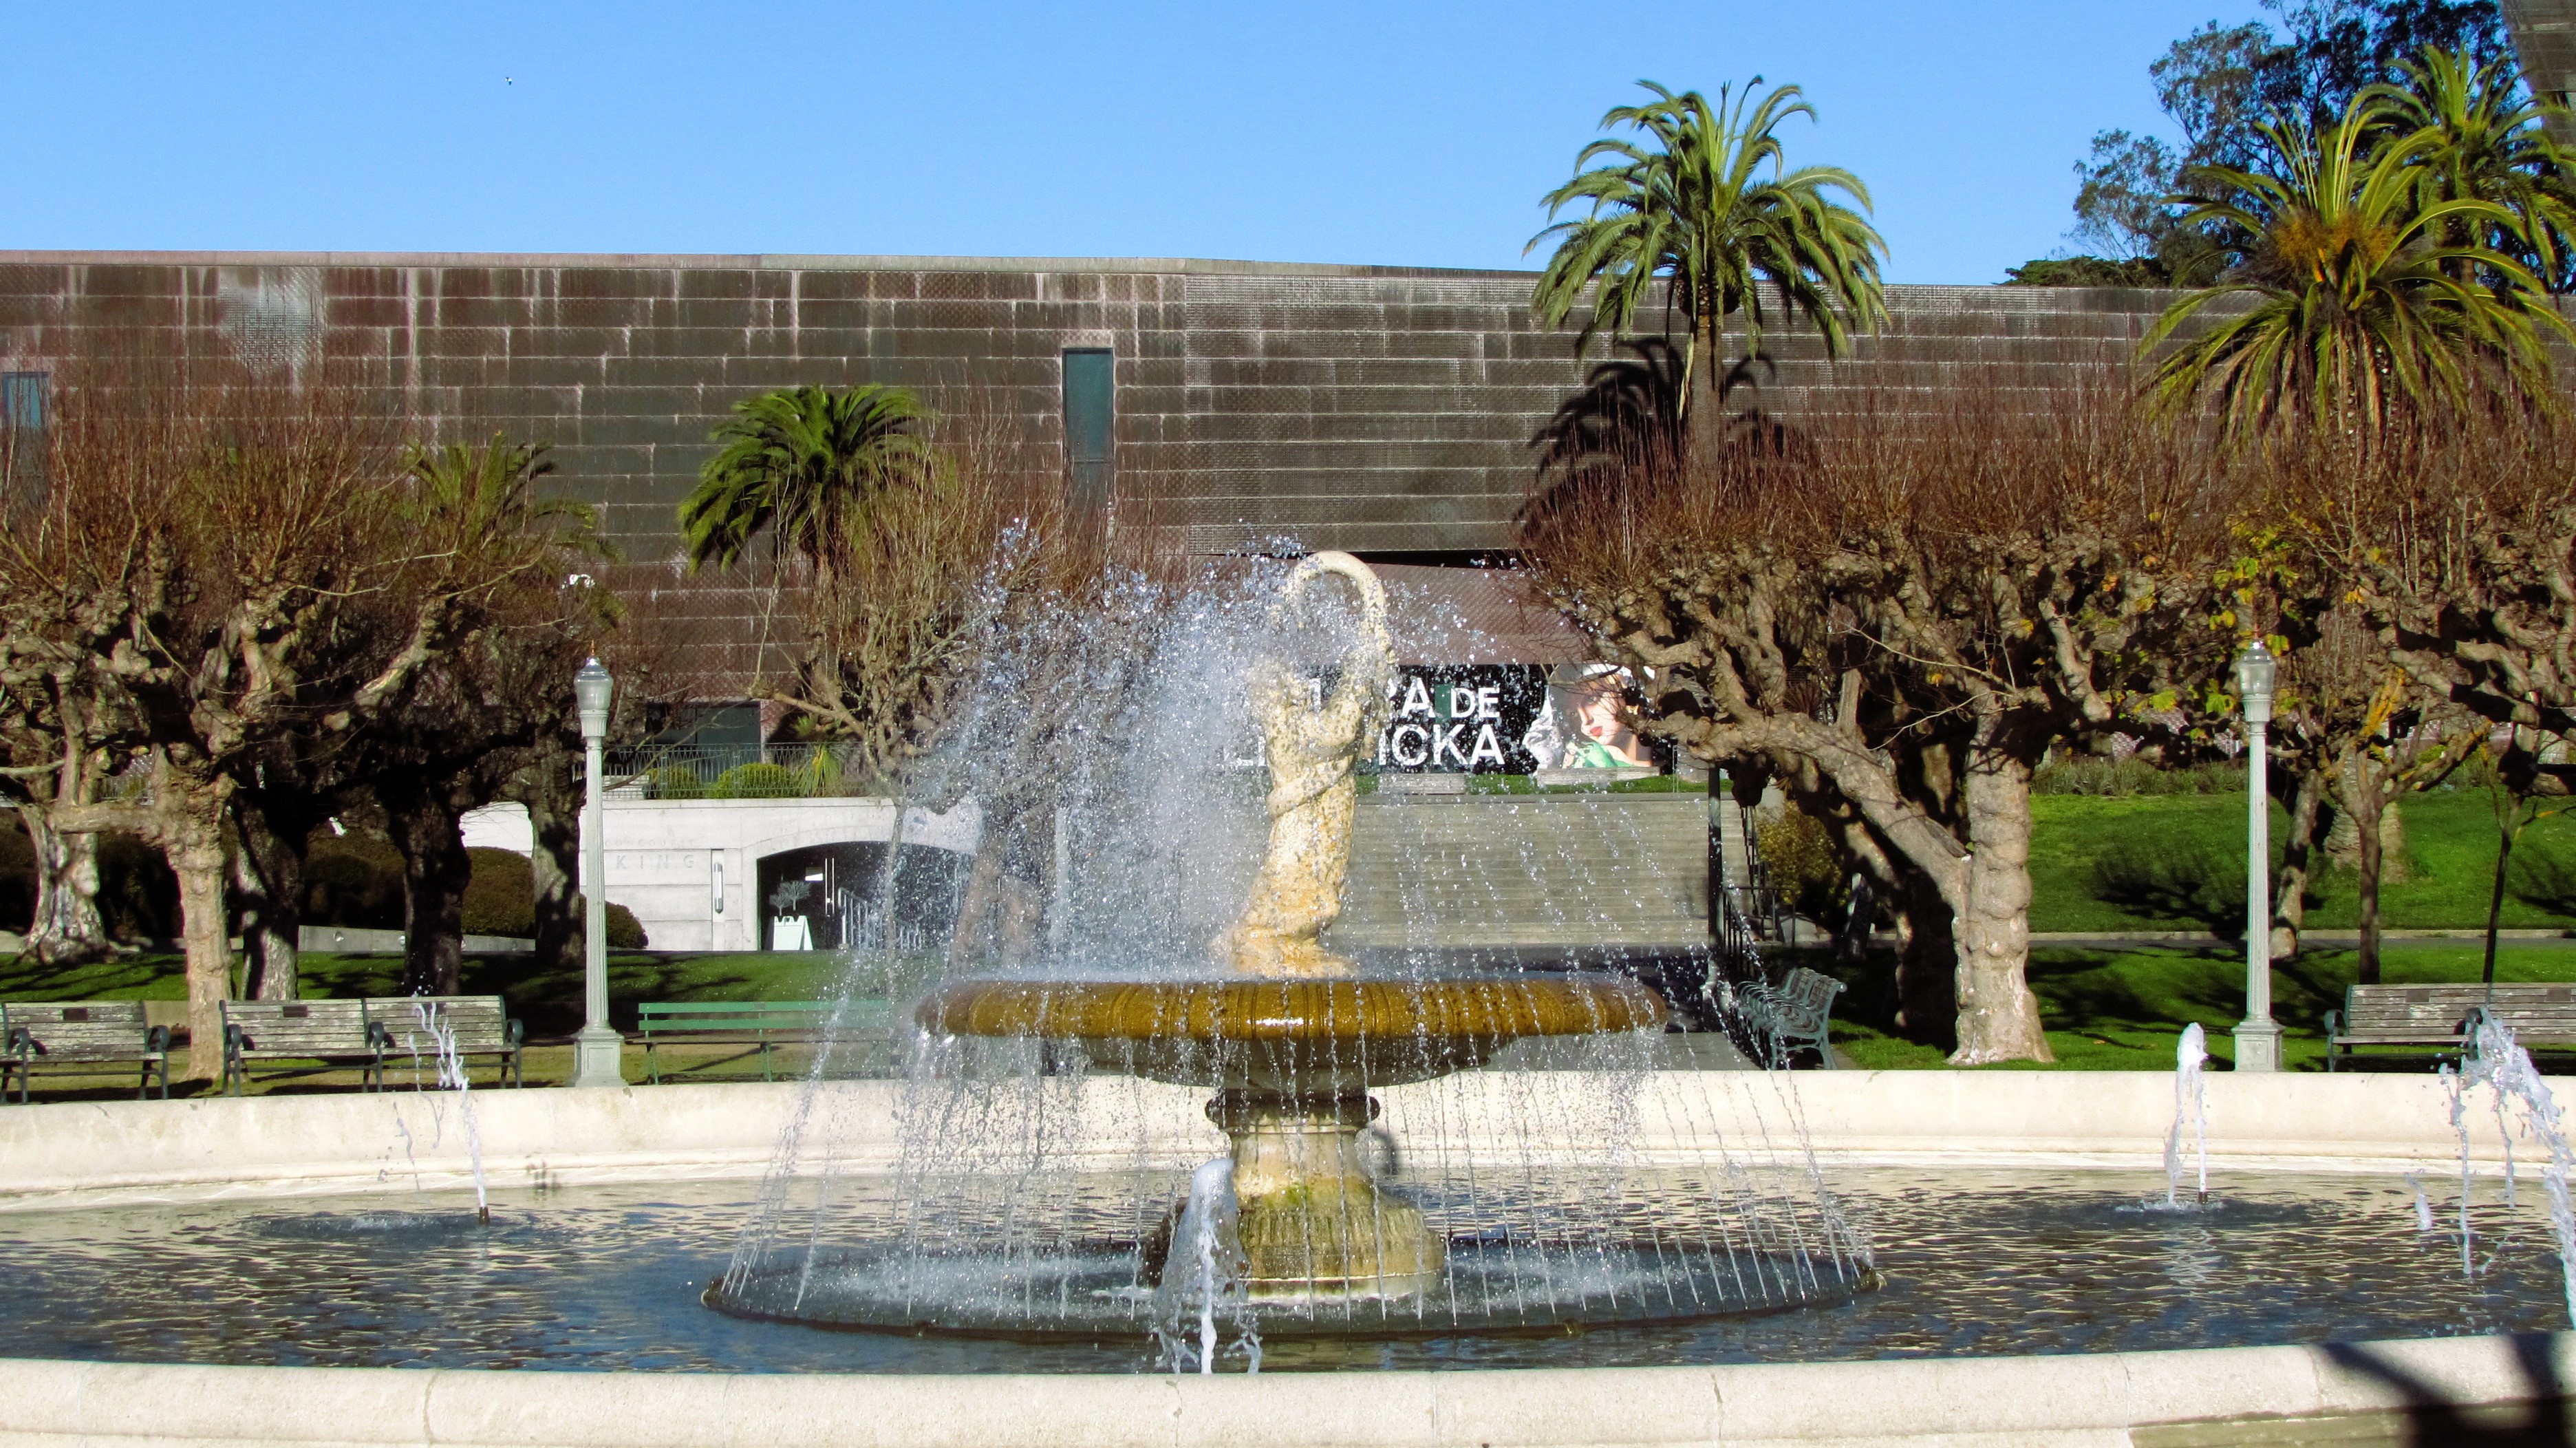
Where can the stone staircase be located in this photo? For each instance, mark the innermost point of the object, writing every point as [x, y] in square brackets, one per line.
[1613, 871]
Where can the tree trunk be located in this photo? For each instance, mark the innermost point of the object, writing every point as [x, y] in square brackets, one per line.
[268, 884]
[194, 846]
[1998, 1015]
[553, 799]
[184, 819]
[1927, 964]
[2367, 822]
[2343, 840]
[2298, 853]
[2495, 897]
[66, 926]
[436, 869]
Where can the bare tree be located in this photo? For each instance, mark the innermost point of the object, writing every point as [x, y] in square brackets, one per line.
[1911, 609]
[218, 570]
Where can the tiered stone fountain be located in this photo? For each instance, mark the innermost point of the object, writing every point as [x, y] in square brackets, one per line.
[1293, 1041]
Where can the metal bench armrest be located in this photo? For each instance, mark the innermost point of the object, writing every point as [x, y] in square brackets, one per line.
[157, 1039]
[516, 1033]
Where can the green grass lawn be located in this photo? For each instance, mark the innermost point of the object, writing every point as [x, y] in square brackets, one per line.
[2106, 864]
[2122, 1010]
[2177, 862]
[549, 1001]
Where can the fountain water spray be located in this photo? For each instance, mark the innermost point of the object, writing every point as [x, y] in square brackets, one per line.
[1205, 1268]
[1072, 1051]
[2496, 1062]
[2191, 1104]
[452, 1077]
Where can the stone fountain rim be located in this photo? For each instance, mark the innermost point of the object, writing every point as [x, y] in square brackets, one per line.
[285, 1147]
[1493, 1009]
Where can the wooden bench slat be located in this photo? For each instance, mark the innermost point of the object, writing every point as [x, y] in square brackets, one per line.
[2439, 1015]
[81, 1033]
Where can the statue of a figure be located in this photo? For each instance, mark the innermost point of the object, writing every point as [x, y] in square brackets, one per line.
[1311, 746]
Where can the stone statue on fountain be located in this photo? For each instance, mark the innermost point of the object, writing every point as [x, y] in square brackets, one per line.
[1313, 745]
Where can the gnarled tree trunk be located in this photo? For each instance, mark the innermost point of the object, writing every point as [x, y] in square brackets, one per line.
[182, 815]
[553, 799]
[1998, 1015]
[423, 819]
[1927, 963]
[2309, 811]
[268, 894]
[66, 926]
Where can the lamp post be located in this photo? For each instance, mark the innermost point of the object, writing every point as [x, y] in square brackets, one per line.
[596, 1048]
[2258, 1038]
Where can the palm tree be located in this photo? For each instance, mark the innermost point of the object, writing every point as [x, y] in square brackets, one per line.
[2484, 140]
[1704, 202]
[2366, 295]
[803, 462]
[472, 497]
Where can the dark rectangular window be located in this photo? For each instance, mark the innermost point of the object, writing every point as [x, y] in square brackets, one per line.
[22, 400]
[23, 396]
[1090, 426]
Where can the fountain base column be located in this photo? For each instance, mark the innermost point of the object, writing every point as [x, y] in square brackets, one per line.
[1313, 1224]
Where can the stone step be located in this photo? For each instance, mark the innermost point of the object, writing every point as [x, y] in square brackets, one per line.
[1524, 871]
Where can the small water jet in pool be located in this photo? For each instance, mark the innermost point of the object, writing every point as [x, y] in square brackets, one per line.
[1517, 1209]
[2191, 1105]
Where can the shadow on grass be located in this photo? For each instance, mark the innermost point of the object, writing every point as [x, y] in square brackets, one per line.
[125, 977]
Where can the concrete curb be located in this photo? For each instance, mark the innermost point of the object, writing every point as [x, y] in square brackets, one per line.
[80, 1154]
[2423, 1391]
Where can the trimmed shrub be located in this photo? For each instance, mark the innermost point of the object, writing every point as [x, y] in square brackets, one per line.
[353, 880]
[674, 783]
[1806, 870]
[757, 781]
[2093, 774]
[501, 898]
[625, 932]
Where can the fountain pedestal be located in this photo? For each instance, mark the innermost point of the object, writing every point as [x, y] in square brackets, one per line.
[1313, 1224]
[1293, 1063]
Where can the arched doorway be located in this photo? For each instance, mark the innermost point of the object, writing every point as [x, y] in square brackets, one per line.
[822, 897]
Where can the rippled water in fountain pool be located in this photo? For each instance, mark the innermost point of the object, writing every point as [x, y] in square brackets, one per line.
[608, 1278]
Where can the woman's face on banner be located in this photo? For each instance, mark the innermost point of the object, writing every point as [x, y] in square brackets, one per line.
[1599, 713]
[1596, 713]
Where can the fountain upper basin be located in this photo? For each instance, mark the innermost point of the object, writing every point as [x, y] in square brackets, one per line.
[1295, 1035]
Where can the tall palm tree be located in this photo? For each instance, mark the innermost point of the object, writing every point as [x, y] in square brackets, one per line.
[2362, 300]
[805, 463]
[1704, 201]
[2485, 140]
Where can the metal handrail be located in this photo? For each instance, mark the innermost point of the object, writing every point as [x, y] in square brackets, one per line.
[734, 771]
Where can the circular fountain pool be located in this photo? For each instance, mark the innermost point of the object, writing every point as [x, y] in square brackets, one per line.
[1971, 1264]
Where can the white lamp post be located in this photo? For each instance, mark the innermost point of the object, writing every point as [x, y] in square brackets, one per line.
[2258, 1037]
[596, 1048]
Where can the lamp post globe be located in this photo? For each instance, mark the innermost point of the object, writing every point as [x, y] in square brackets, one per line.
[2258, 1036]
[592, 688]
[597, 1048]
[2256, 671]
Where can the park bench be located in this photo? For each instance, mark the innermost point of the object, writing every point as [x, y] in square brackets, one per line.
[81, 1035]
[333, 1032]
[767, 1024]
[1791, 1013]
[2443, 1017]
[479, 1025]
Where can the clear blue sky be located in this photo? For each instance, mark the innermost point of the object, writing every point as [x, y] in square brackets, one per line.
[1392, 132]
